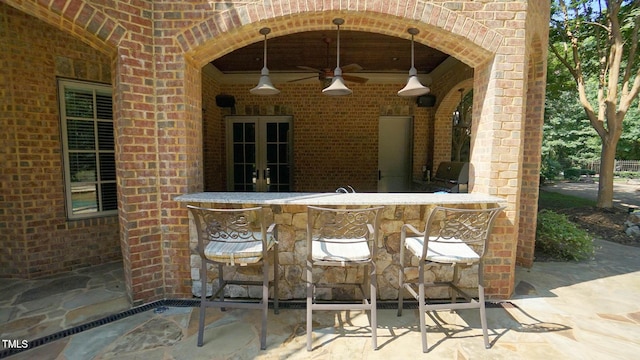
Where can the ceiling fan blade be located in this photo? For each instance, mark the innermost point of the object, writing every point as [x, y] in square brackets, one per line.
[351, 68]
[309, 68]
[304, 78]
[356, 79]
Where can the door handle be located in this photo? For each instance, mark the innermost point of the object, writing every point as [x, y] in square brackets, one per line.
[379, 175]
[267, 176]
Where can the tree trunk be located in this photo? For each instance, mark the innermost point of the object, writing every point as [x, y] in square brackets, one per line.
[459, 140]
[457, 151]
[605, 181]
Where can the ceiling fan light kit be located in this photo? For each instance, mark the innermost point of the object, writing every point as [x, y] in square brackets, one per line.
[413, 87]
[337, 87]
[265, 87]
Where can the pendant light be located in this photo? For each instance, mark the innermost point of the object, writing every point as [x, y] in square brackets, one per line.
[413, 87]
[265, 87]
[337, 87]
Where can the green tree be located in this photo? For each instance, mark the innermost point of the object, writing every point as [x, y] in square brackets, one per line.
[629, 145]
[568, 140]
[597, 40]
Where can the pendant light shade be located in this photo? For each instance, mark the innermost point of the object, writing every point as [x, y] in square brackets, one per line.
[413, 87]
[264, 87]
[337, 87]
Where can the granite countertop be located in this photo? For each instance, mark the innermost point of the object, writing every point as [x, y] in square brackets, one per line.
[275, 198]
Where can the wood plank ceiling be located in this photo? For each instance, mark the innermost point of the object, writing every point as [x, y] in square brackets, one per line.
[305, 51]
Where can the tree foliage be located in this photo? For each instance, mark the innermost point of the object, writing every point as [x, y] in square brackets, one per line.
[629, 145]
[462, 119]
[596, 41]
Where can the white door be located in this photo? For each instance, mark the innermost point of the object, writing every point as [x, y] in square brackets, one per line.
[259, 153]
[395, 146]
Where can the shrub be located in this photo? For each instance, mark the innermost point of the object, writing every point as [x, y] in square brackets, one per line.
[560, 239]
[550, 169]
[627, 174]
[574, 174]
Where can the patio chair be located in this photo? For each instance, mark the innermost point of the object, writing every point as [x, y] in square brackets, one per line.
[235, 237]
[452, 238]
[342, 238]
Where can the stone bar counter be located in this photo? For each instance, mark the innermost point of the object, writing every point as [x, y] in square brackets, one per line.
[289, 212]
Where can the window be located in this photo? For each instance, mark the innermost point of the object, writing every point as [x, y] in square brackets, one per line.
[86, 112]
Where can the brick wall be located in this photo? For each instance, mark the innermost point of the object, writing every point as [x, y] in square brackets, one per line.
[335, 138]
[213, 131]
[157, 51]
[37, 238]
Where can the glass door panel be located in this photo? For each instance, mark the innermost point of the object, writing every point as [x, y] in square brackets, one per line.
[259, 153]
[277, 156]
[243, 158]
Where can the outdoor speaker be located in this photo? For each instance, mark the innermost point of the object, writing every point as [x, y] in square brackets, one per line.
[426, 100]
[225, 101]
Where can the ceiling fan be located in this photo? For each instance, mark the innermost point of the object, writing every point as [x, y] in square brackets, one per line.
[326, 74]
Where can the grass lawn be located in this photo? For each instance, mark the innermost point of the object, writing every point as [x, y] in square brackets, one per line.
[554, 201]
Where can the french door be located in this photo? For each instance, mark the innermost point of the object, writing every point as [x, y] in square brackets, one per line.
[259, 153]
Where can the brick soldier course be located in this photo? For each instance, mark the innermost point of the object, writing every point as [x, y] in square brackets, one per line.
[155, 54]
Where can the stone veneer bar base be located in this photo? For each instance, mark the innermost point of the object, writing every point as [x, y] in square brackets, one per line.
[289, 211]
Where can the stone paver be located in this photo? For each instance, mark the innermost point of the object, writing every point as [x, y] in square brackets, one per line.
[33, 309]
[585, 310]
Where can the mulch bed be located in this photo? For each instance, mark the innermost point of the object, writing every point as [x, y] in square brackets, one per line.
[605, 224]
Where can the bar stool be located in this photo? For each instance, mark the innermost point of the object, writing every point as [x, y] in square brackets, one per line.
[235, 237]
[452, 238]
[342, 238]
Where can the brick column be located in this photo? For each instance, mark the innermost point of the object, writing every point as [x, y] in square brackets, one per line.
[495, 149]
[137, 163]
[537, 38]
[158, 139]
[181, 166]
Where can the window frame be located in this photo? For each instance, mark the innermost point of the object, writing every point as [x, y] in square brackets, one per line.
[99, 179]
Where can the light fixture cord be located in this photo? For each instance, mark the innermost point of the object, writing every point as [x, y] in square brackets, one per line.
[265, 50]
[338, 61]
[412, 66]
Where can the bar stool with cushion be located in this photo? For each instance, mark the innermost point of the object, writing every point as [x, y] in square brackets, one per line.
[235, 237]
[342, 238]
[452, 238]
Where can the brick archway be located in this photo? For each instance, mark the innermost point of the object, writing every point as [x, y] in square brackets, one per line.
[81, 19]
[451, 32]
[443, 119]
[159, 49]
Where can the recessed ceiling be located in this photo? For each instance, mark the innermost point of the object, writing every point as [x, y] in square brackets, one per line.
[375, 53]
